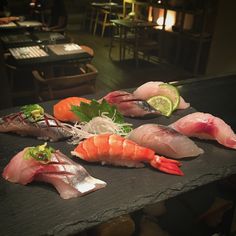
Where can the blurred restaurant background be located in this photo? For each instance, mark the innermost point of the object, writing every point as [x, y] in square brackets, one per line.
[184, 39]
[52, 49]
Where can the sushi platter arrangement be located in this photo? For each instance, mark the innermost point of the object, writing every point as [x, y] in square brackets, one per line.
[90, 150]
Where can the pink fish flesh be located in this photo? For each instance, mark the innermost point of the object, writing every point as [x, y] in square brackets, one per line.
[47, 128]
[69, 178]
[151, 89]
[164, 141]
[128, 105]
[206, 126]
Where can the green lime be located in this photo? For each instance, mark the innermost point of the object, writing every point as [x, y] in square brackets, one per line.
[171, 92]
[162, 104]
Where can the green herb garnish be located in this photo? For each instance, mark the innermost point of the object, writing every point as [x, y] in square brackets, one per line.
[40, 153]
[87, 111]
[33, 111]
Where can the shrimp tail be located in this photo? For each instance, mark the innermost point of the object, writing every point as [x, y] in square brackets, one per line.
[166, 165]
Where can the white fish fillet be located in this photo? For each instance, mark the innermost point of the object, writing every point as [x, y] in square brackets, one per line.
[69, 178]
[164, 141]
[151, 89]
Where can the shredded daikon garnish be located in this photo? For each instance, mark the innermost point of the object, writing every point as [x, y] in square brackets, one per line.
[97, 125]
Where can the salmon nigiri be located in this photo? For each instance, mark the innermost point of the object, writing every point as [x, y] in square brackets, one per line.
[118, 151]
[62, 110]
[206, 126]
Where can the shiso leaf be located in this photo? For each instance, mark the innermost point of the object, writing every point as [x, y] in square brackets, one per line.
[87, 111]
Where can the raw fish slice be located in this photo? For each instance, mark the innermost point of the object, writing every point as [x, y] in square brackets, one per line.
[47, 128]
[115, 150]
[69, 178]
[206, 126]
[62, 109]
[164, 141]
[128, 105]
[151, 89]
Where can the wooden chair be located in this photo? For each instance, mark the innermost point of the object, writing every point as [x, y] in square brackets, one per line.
[126, 5]
[78, 81]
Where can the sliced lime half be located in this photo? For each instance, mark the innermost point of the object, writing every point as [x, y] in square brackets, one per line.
[162, 104]
[171, 92]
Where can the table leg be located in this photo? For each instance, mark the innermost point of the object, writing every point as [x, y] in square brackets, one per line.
[96, 23]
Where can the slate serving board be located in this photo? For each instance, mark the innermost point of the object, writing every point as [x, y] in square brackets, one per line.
[37, 209]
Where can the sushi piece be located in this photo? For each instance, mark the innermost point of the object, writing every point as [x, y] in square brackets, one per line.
[113, 149]
[33, 121]
[128, 105]
[164, 141]
[62, 109]
[206, 126]
[45, 164]
[152, 88]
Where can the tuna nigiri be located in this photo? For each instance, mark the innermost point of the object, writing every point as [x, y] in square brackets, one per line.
[129, 105]
[115, 150]
[206, 126]
[164, 141]
[62, 109]
[33, 121]
[152, 88]
[48, 165]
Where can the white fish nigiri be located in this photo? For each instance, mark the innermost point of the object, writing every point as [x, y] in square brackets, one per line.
[68, 177]
[164, 141]
[206, 126]
[151, 89]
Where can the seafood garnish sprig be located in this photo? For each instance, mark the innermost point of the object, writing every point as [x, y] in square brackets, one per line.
[98, 125]
[33, 112]
[40, 153]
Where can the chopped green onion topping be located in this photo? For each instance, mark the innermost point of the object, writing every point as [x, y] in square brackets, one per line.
[33, 111]
[40, 153]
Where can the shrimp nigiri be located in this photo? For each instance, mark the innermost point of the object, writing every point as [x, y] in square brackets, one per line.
[62, 110]
[206, 126]
[116, 150]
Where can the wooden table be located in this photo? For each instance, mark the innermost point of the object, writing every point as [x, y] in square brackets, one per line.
[10, 40]
[41, 55]
[17, 26]
[135, 26]
[37, 209]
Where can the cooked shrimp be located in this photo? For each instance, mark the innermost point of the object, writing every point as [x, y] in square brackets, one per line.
[116, 150]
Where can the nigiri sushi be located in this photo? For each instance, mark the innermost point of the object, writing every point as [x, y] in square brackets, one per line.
[62, 109]
[152, 88]
[115, 150]
[206, 126]
[45, 164]
[33, 121]
[164, 141]
[128, 105]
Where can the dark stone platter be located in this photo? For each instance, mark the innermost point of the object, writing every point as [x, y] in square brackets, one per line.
[37, 209]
